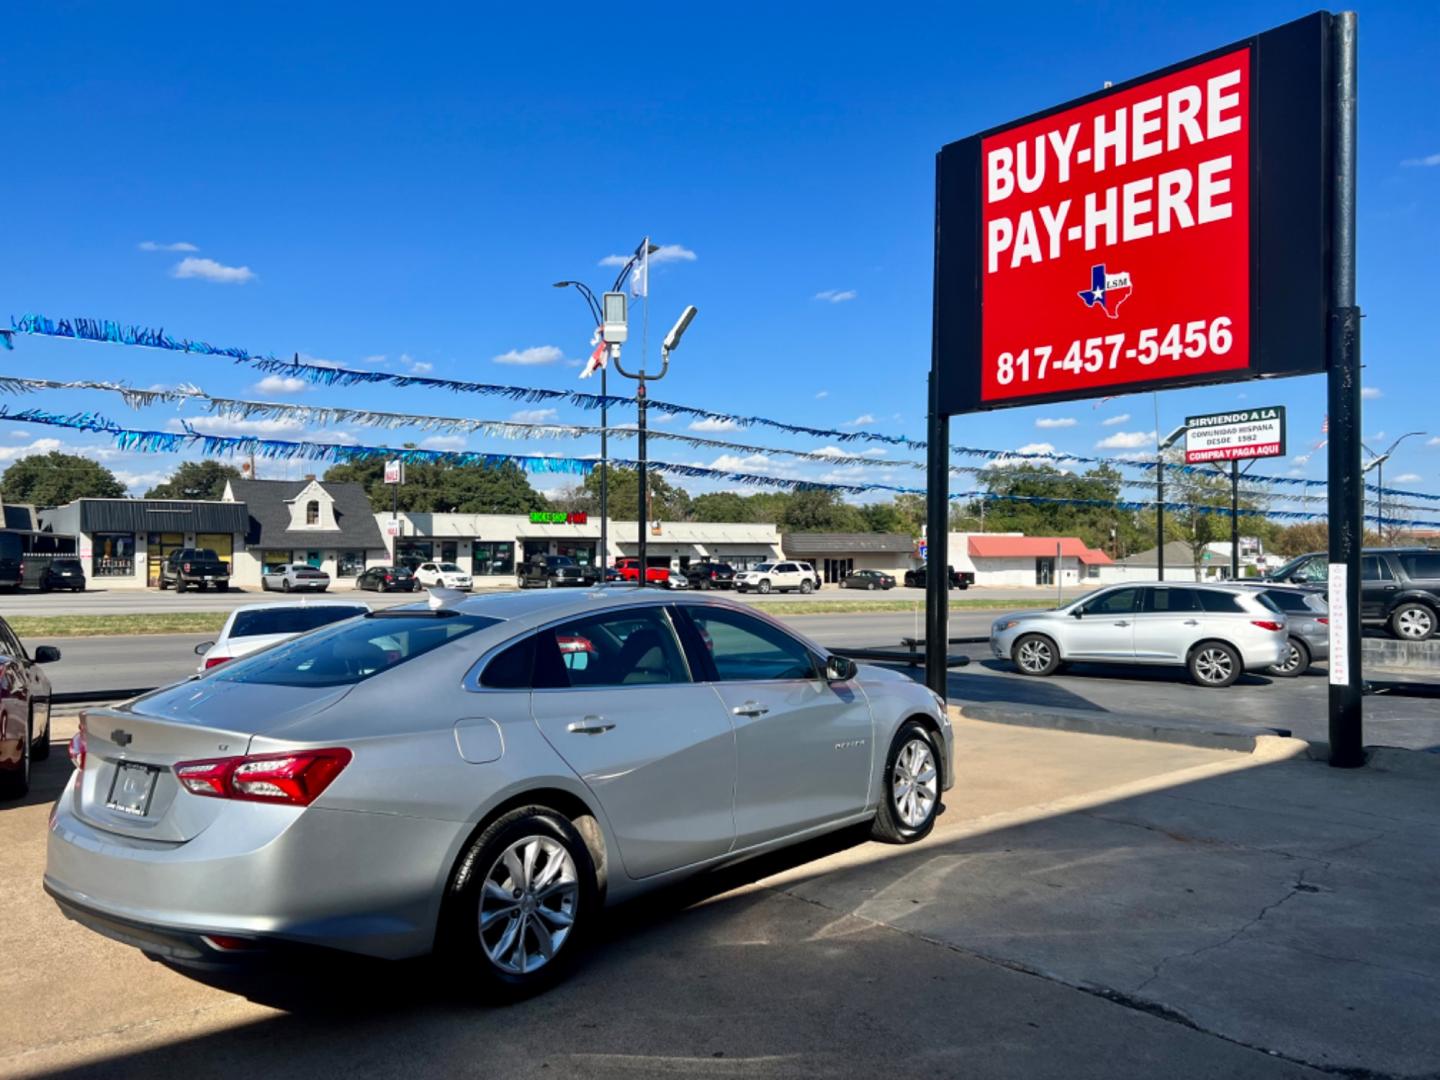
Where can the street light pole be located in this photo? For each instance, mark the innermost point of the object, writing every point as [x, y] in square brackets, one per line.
[603, 555]
[671, 342]
[1165, 444]
[1378, 464]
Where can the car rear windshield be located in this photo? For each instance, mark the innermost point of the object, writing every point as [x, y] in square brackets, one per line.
[66, 564]
[353, 651]
[293, 619]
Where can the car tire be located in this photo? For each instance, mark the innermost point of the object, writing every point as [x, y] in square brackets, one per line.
[871, 586]
[1413, 622]
[764, 586]
[704, 584]
[1035, 654]
[264, 586]
[549, 582]
[1213, 664]
[40, 748]
[1295, 664]
[806, 588]
[911, 785]
[180, 586]
[15, 783]
[476, 941]
[223, 586]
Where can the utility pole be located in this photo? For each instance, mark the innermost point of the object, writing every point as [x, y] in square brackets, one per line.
[1234, 520]
[1165, 444]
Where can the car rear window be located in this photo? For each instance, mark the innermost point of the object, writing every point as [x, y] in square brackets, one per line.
[352, 651]
[295, 619]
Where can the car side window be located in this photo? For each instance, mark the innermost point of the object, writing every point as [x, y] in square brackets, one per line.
[10, 643]
[1166, 601]
[1119, 602]
[512, 668]
[1219, 603]
[1374, 568]
[743, 648]
[1421, 565]
[622, 648]
[1287, 601]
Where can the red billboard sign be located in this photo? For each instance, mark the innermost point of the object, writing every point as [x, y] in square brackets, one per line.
[1132, 240]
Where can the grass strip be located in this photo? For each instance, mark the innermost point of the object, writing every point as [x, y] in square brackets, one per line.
[30, 628]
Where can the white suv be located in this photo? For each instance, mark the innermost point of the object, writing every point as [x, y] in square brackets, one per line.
[446, 574]
[776, 577]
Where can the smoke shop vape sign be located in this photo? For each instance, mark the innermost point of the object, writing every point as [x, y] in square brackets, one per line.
[1235, 436]
[1120, 242]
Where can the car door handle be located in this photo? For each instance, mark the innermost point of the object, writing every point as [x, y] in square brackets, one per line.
[1122, 622]
[750, 708]
[591, 725]
[1192, 622]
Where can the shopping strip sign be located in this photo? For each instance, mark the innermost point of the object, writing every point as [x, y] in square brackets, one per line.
[1168, 231]
[1235, 436]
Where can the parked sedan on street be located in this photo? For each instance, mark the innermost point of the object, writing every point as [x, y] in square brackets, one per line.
[387, 579]
[867, 579]
[500, 770]
[63, 574]
[446, 575]
[295, 577]
[24, 711]
[1215, 632]
[1309, 626]
[258, 626]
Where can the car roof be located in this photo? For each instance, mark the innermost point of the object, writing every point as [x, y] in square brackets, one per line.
[303, 602]
[526, 608]
[1219, 586]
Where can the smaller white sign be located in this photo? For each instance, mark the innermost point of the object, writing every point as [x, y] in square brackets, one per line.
[392, 527]
[1235, 436]
[1339, 626]
[395, 471]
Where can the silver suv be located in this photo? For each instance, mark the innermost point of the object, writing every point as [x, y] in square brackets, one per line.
[1214, 631]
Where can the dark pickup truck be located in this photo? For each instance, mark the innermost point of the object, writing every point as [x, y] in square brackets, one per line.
[959, 579]
[200, 567]
[549, 571]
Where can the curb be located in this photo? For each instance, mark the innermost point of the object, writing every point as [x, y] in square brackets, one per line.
[1239, 738]
[1423, 764]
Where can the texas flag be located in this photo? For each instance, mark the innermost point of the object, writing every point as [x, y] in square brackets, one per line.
[1107, 291]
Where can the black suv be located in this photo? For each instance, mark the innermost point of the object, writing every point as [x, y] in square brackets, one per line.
[63, 574]
[1399, 587]
[959, 579]
[710, 575]
[550, 571]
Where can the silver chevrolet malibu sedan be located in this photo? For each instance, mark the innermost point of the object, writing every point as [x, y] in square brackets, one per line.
[478, 777]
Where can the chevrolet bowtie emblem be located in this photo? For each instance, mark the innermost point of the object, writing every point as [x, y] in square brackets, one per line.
[120, 737]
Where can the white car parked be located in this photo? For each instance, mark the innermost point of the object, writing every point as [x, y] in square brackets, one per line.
[258, 626]
[776, 577]
[445, 574]
[1215, 631]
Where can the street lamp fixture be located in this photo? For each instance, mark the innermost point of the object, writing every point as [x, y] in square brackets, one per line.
[1377, 462]
[603, 556]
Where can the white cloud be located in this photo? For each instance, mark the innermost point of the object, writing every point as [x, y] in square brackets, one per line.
[1433, 442]
[822, 394]
[534, 416]
[1111, 421]
[21, 433]
[1408, 478]
[444, 442]
[1370, 393]
[210, 270]
[1056, 422]
[755, 463]
[1428, 161]
[39, 446]
[424, 367]
[710, 424]
[228, 425]
[836, 296]
[374, 361]
[533, 356]
[662, 418]
[1037, 448]
[831, 451]
[282, 384]
[179, 245]
[140, 481]
[1126, 440]
[665, 253]
[860, 421]
[1301, 459]
[874, 451]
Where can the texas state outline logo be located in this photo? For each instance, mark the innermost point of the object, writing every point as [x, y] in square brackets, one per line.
[1107, 291]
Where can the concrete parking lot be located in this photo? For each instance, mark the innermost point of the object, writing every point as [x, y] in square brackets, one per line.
[1087, 907]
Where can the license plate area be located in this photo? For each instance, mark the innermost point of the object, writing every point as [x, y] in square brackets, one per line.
[132, 788]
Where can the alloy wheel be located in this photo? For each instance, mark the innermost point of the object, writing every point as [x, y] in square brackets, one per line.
[913, 785]
[1292, 659]
[1415, 623]
[1213, 665]
[1034, 655]
[528, 905]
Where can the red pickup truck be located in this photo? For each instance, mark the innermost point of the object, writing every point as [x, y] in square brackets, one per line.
[654, 575]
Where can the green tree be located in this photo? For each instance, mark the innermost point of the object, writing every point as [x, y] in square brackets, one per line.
[667, 502]
[882, 518]
[440, 487]
[720, 506]
[54, 479]
[815, 510]
[195, 480]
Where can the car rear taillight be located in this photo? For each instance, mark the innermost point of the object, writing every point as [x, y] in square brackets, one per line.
[713, 575]
[1323, 620]
[1268, 624]
[295, 779]
[215, 661]
[77, 747]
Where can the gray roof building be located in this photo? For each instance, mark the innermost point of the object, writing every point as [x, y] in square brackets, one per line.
[143, 516]
[306, 513]
[799, 545]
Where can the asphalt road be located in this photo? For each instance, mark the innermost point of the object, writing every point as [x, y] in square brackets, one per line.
[1299, 705]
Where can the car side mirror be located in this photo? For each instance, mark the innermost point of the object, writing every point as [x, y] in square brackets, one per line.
[839, 669]
[1078, 613]
[46, 654]
[204, 647]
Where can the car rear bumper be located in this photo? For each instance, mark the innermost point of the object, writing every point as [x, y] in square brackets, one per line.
[356, 882]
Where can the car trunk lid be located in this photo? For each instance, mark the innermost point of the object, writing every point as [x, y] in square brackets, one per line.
[128, 784]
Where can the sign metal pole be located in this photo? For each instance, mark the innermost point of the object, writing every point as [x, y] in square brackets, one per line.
[1234, 519]
[1346, 483]
[937, 544]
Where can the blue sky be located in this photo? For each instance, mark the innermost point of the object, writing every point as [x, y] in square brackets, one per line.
[377, 191]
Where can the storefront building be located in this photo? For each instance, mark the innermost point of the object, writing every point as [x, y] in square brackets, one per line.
[837, 555]
[122, 542]
[490, 546]
[329, 526]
